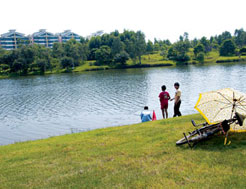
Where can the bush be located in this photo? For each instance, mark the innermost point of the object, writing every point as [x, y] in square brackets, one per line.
[198, 49]
[67, 62]
[121, 57]
[103, 55]
[228, 48]
[243, 51]
[182, 58]
[200, 57]
[4, 67]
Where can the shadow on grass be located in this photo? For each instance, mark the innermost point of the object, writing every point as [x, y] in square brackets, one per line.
[216, 143]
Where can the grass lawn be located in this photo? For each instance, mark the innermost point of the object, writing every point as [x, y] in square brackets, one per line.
[211, 57]
[231, 59]
[135, 156]
[87, 66]
[151, 59]
[155, 59]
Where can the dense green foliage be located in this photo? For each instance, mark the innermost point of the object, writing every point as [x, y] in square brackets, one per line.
[227, 48]
[38, 59]
[199, 49]
[117, 48]
[200, 57]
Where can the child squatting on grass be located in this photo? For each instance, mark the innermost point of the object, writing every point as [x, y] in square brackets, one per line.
[146, 115]
[164, 97]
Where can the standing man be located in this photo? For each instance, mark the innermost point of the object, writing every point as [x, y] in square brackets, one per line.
[177, 100]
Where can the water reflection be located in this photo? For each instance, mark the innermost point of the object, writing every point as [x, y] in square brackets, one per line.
[43, 106]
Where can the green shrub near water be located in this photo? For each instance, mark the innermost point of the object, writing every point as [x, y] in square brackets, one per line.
[200, 57]
[136, 156]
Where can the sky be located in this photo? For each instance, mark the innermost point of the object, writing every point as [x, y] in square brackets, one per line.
[161, 19]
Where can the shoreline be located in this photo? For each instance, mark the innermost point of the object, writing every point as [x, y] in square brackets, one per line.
[130, 67]
[148, 61]
[135, 66]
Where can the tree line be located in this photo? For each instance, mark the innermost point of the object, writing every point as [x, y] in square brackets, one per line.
[115, 49]
[226, 44]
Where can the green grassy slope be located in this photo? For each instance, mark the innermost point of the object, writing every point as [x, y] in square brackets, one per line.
[135, 156]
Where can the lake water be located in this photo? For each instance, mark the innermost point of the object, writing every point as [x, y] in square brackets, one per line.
[43, 106]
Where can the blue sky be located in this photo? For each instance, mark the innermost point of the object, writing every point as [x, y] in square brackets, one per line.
[163, 19]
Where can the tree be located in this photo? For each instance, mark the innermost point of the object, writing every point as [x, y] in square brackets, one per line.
[18, 65]
[149, 47]
[9, 58]
[181, 38]
[26, 54]
[103, 55]
[83, 40]
[200, 57]
[75, 50]
[115, 33]
[121, 57]
[91, 55]
[172, 53]
[206, 44]
[242, 51]
[163, 53]
[2, 52]
[224, 36]
[178, 52]
[117, 46]
[140, 45]
[186, 36]
[95, 42]
[167, 42]
[57, 50]
[107, 39]
[228, 48]
[127, 35]
[198, 49]
[194, 42]
[67, 62]
[130, 48]
[83, 51]
[213, 43]
[4, 68]
[181, 48]
[240, 37]
[41, 64]
[45, 54]
[156, 46]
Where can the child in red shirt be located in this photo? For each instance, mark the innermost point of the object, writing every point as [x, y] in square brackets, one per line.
[164, 97]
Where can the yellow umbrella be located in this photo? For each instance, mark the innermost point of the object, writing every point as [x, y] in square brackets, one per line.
[216, 106]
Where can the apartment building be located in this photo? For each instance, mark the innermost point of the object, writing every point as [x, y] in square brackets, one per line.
[12, 39]
[42, 37]
[67, 35]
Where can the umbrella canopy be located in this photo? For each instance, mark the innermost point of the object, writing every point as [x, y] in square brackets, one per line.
[216, 106]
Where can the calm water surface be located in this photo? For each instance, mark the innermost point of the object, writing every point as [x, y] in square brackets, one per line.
[43, 106]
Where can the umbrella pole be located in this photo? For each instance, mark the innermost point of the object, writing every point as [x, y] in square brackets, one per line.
[233, 107]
